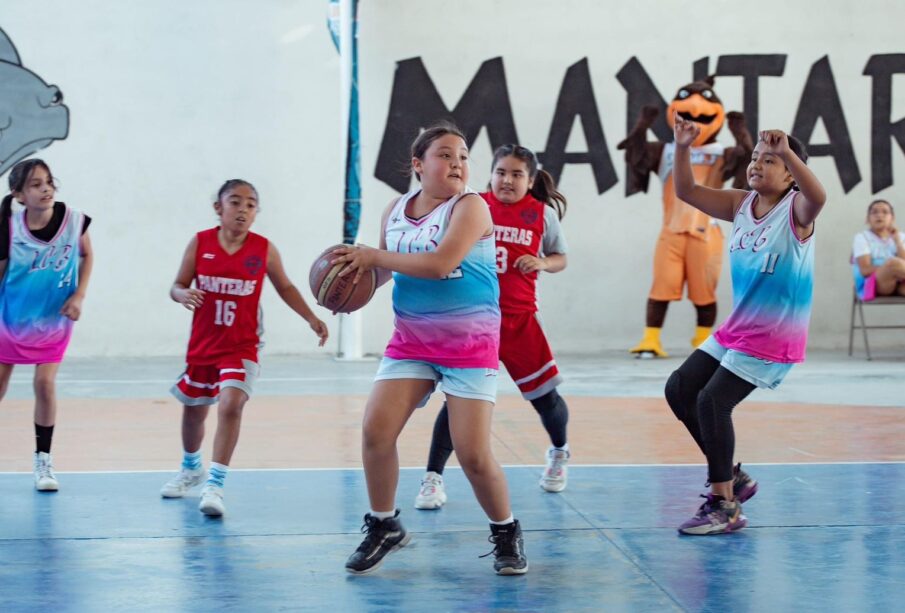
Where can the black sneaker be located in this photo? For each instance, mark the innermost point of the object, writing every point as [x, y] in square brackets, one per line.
[382, 537]
[509, 550]
[743, 486]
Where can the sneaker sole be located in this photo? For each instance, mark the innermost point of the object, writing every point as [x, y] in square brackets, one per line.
[513, 571]
[211, 511]
[47, 488]
[552, 487]
[711, 530]
[405, 541]
[430, 505]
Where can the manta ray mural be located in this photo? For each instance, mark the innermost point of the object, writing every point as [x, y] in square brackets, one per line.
[32, 113]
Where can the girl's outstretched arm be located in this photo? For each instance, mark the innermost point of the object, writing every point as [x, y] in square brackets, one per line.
[719, 203]
[72, 308]
[469, 222]
[290, 294]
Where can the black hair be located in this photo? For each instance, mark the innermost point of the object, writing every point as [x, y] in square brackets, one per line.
[421, 144]
[232, 183]
[544, 187]
[881, 201]
[18, 177]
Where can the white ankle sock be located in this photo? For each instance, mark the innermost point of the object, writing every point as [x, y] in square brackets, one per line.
[504, 522]
[383, 514]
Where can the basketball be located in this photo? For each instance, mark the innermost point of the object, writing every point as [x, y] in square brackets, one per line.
[337, 293]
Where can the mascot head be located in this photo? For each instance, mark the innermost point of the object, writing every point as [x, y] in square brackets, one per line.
[698, 102]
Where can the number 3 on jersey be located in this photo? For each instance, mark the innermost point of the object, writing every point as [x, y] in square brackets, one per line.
[502, 260]
[226, 313]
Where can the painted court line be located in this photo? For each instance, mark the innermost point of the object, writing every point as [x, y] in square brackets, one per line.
[359, 469]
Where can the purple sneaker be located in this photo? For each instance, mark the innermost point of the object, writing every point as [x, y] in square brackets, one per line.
[715, 516]
[743, 486]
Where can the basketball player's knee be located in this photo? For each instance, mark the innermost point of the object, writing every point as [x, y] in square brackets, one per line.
[546, 403]
[673, 393]
[194, 414]
[475, 463]
[44, 387]
[230, 410]
[374, 438]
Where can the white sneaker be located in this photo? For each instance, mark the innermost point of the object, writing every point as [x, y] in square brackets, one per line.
[432, 494]
[179, 486]
[212, 501]
[556, 474]
[45, 480]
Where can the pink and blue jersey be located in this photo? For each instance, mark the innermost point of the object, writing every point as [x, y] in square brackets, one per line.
[454, 321]
[772, 284]
[40, 277]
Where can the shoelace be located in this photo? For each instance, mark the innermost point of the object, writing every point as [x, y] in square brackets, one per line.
[371, 529]
[556, 464]
[503, 546]
[44, 470]
[706, 508]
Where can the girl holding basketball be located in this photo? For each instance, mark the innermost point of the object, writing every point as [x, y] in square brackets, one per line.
[878, 254]
[227, 265]
[45, 263]
[772, 259]
[526, 209]
[438, 243]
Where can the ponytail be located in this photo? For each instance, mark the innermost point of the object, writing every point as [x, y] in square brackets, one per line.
[6, 208]
[544, 189]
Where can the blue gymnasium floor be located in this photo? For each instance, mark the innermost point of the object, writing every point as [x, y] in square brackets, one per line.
[821, 537]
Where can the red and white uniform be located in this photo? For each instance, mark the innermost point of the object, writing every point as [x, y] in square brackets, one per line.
[227, 327]
[527, 227]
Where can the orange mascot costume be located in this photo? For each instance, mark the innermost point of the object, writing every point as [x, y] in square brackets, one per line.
[689, 250]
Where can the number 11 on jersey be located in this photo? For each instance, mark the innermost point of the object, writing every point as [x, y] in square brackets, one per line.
[769, 264]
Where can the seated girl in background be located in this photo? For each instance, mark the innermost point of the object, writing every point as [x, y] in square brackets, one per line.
[878, 254]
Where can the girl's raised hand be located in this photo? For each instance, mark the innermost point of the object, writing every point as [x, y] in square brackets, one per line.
[776, 141]
[359, 259]
[685, 131]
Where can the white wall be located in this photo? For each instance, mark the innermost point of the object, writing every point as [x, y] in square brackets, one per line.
[168, 98]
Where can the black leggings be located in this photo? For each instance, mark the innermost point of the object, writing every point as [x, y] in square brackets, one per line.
[702, 394]
[551, 407]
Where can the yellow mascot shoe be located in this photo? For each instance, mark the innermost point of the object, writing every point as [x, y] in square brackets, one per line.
[650, 346]
[701, 334]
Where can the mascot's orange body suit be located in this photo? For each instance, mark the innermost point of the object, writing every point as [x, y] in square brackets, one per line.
[689, 249]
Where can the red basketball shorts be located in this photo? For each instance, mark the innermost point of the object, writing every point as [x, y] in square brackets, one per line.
[200, 384]
[525, 352]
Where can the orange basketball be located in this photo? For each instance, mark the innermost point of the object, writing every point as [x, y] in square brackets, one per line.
[337, 293]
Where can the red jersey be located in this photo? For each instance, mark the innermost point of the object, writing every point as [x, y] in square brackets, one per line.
[228, 322]
[518, 229]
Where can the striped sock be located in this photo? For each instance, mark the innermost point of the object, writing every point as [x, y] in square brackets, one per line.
[191, 461]
[216, 474]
